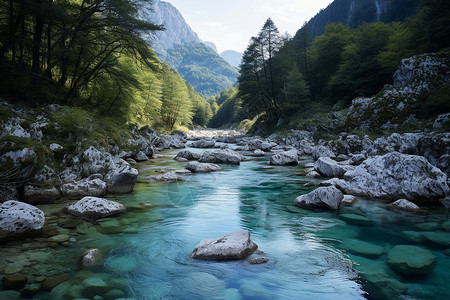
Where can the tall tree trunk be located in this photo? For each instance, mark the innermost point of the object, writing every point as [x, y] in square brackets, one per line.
[36, 49]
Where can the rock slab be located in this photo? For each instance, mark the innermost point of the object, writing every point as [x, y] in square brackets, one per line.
[411, 260]
[95, 208]
[232, 246]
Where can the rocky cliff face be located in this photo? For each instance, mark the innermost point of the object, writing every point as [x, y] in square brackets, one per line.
[356, 12]
[177, 31]
[232, 57]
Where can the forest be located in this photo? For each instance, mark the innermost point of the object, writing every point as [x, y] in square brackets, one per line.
[91, 55]
[284, 81]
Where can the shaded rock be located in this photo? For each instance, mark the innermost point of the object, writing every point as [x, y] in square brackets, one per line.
[356, 219]
[357, 159]
[232, 246]
[362, 248]
[60, 238]
[286, 158]
[429, 226]
[14, 281]
[141, 156]
[122, 179]
[38, 195]
[438, 238]
[222, 156]
[441, 120]
[396, 176]
[348, 200]
[411, 260]
[181, 159]
[203, 144]
[258, 153]
[10, 295]
[91, 257]
[328, 167]
[95, 208]
[86, 187]
[24, 160]
[30, 289]
[197, 167]
[18, 217]
[403, 204]
[382, 286]
[131, 161]
[258, 260]
[257, 144]
[323, 197]
[187, 154]
[322, 151]
[446, 226]
[296, 210]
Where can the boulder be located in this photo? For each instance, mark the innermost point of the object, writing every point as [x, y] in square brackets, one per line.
[15, 281]
[221, 156]
[187, 154]
[411, 260]
[285, 158]
[357, 159]
[323, 197]
[86, 187]
[141, 156]
[258, 153]
[396, 176]
[122, 178]
[313, 174]
[203, 144]
[24, 160]
[322, 151]
[169, 176]
[348, 200]
[95, 208]
[37, 195]
[257, 144]
[91, 257]
[328, 167]
[441, 120]
[232, 246]
[403, 204]
[197, 167]
[18, 217]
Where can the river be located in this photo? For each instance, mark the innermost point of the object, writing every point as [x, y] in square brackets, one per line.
[146, 250]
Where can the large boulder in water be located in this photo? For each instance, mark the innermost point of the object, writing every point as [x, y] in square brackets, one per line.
[189, 155]
[122, 178]
[197, 167]
[328, 167]
[285, 158]
[18, 217]
[411, 260]
[324, 197]
[396, 176]
[221, 156]
[232, 246]
[203, 144]
[95, 208]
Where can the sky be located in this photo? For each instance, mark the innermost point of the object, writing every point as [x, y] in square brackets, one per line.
[231, 23]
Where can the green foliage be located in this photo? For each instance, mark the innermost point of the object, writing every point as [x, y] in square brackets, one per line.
[431, 104]
[199, 65]
[229, 112]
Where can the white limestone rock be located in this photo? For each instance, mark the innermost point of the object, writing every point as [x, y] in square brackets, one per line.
[396, 176]
[122, 178]
[328, 167]
[203, 143]
[403, 204]
[141, 156]
[169, 177]
[285, 158]
[221, 156]
[187, 154]
[87, 187]
[197, 167]
[322, 151]
[233, 246]
[91, 257]
[18, 217]
[95, 208]
[323, 197]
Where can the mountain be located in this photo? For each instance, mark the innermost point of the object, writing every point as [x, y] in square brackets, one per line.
[232, 57]
[356, 12]
[178, 45]
[212, 46]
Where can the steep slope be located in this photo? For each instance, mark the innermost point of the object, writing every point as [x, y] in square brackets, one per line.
[196, 61]
[232, 57]
[356, 12]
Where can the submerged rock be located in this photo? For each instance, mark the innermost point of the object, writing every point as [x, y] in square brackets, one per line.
[411, 260]
[286, 158]
[222, 156]
[14, 281]
[91, 257]
[95, 208]
[197, 167]
[18, 217]
[323, 197]
[362, 248]
[356, 219]
[232, 246]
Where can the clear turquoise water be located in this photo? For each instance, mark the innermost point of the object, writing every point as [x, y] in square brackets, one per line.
[146, 250]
